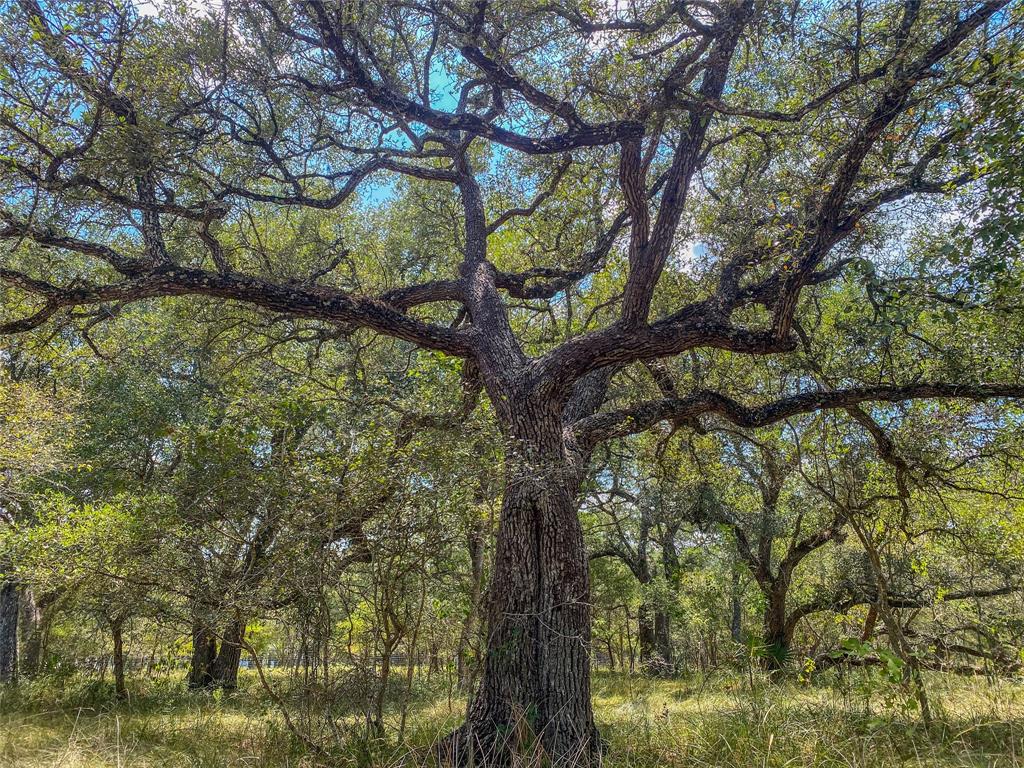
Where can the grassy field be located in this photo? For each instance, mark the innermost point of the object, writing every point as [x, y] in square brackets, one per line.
[721, 721]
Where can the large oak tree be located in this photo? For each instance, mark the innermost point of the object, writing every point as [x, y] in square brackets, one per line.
[568, 141]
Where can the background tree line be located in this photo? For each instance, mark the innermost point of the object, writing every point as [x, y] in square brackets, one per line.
[222, 495]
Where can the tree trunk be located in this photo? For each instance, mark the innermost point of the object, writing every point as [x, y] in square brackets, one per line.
[535, 690]
[912, 675]
[611, 654]
[645, 635]
[433, 659]
[630, 645]
[8, 631]
[869, 623]
[225, 666]
[663, 639]
[204, 653]
[655, 640]
[382, 691]
[117, 633]
[35, 620]
[777, 638]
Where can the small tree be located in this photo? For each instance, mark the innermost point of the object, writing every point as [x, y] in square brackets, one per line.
[103, 554]
[34, 432]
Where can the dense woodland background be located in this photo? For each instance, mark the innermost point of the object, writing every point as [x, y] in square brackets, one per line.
[382, 366]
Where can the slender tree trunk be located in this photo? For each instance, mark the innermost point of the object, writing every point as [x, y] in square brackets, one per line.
[912, 675]
[433, 659]
[204, 653]
[869, 623]
[117, 633]
[387, 648]
[410, 667]
[663, 616]
[8, 631]
[225, 666]
[630, 645]
[535, 690]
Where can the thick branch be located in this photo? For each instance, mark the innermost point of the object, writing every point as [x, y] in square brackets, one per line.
[643, 416]
[316, 302]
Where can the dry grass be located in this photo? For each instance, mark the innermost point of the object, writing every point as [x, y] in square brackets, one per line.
[691, 722]
[725, 723]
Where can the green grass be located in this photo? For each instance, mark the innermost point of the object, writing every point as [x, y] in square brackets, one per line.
[721, 721]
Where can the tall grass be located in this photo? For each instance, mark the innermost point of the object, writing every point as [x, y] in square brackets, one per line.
[727, 720]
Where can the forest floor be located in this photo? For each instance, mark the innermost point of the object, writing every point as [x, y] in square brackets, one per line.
[724, 720]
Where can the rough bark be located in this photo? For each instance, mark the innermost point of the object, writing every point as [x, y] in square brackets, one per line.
[645, 634]
[778, 636]
[654, 637]
[8, 631]
[204, 653]
[535, 692]
[224, 670]
[34, 624]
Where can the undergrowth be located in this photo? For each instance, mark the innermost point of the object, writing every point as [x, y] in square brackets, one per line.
[724, 720]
